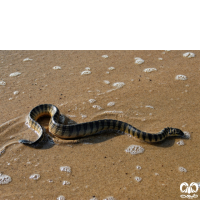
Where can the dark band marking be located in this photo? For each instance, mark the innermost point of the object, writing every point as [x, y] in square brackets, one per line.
[143, 135]
[85, 128]
[138, 133]
[149, 136]
[91, 126]
[155, 137]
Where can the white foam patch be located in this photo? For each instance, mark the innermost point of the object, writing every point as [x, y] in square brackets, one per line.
[111, 104]
[27, 59]
[186, 135]
[61, 197]
[148, 70]
[16, 92]
[86, 72]
[56, 67]
[149, 106]
[98, 107]
[106, 82]
[156, 174]
[66, 183]
[138, 179]
[104, 56]
[87, 69]
[83, 116]
[92, 100]
[160, 58]
[15, 74]
[4, 179]
[134, 149]
[180, 143]
[139, 61]
[2, 83]
[181, 77]
[118, 84]
[35, 176]
[189, 55]
[111, 68]
[65, 169]
[182, 169]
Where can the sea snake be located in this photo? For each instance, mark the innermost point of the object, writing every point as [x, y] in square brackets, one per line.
[88, 128]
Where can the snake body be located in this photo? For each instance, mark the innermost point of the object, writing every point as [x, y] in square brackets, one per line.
[87, 128]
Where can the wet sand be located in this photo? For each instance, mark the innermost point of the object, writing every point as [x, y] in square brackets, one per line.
[100, 167]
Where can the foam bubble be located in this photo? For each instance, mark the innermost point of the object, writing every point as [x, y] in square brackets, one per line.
[16, 92]
[61, 197]
[106, 82]
[98, 107]
[56, 67]
[182, 169]
[26, 59]
[2, 83]
[189, 55]
[180, 143]
[139, 61]
[134, 149]
[65, 169]
[181, 77]
[160, 58]
[15, 74]
[35, 176]
[86, 72]
[138, 167]
[92, 100]
[4, 179]
[66, 183]
[148, 70]
[104, 56]
[138, 179]
[111, 68]
[111, 104]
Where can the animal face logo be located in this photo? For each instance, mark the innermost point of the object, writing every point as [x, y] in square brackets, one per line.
[186, 188]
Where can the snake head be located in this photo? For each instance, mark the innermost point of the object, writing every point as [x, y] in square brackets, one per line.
[175, 132]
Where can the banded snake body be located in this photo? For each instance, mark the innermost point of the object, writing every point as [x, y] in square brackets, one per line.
[88, 128]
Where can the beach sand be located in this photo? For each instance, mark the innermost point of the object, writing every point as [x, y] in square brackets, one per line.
[100, 167]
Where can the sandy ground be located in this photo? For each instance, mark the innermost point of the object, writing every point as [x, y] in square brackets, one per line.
[100, 167]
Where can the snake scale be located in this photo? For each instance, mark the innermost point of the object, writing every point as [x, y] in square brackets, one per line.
[87, 128]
